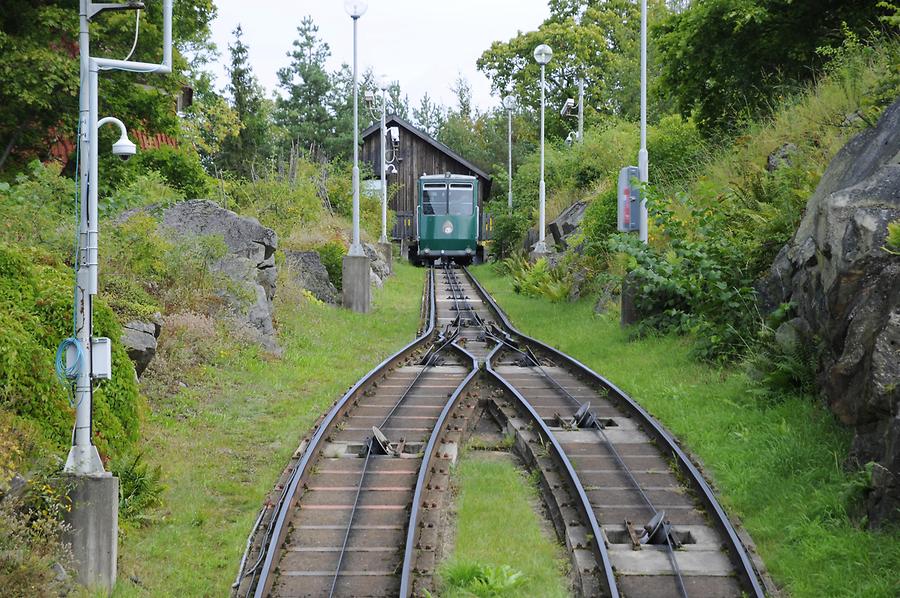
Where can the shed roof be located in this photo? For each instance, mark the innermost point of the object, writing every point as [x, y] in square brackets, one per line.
[394, 119]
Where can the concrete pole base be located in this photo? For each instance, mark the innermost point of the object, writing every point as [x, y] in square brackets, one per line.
[387, 254]
[356, 279]
[628, 312]
[94, 528]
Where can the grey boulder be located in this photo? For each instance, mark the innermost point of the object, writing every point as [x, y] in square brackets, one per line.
[307, 269]
[249, 263]
[140, 341]
[845, 289]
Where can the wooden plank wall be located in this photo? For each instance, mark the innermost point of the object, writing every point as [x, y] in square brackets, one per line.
[415, 158]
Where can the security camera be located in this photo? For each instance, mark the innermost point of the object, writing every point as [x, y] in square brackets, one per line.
[370, 98]
[394, 133]
[390, 169]
[124, 148]
[570, 139]
[568, 106]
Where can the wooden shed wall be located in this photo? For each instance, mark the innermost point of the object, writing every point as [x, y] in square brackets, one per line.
[415, 158]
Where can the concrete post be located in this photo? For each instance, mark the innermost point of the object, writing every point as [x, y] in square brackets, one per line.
[94, 528]
[386, 249]
[356, 278]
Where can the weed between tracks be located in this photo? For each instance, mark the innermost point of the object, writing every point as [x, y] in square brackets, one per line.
[500, 547]
[222, 441]
[776, 464]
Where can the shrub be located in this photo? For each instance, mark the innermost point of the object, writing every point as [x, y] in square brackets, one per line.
[146, 189]
[332, 255]
[36, 295]
[140, 488]
[687, 289]
[39, 209]
[509, 231]
[483, 581]
[537, 279]
[180, 167]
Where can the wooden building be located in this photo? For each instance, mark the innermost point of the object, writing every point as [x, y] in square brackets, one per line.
[417, 154]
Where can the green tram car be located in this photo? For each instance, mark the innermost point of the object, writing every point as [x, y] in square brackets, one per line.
[447, 220]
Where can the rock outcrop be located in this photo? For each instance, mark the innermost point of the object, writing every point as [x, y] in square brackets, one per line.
[845, 289]
[380, 268]
[307, 269]
[140, 340]
[567, 223]
[249, 263]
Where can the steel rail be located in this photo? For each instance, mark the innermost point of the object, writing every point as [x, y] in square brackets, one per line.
[276, 533]
[362, 478]
[670, 550]
[599, 545]
[421, 480]
[737, 550]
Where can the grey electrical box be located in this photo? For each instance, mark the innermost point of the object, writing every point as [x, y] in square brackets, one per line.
[629, 198]
[101, 358]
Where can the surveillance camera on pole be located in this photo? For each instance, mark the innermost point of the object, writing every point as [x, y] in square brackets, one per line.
[567, 107]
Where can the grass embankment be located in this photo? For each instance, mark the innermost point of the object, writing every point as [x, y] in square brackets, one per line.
[223, 441]
[500, 547]
[776, 464]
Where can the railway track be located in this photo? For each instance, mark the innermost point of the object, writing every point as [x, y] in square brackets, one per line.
[359, 512]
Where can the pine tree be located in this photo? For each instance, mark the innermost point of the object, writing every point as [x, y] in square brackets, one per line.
[303, 109]
[252, 145]
[429, 116]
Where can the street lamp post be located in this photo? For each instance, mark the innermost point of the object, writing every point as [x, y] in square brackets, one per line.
[542, 55]
[509, 102]
[356, 267]
[356, 9]
[643, 157]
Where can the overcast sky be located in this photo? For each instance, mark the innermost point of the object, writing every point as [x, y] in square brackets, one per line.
[423, 44]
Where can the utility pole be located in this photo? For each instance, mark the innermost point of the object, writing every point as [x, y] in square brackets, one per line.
[93, 518]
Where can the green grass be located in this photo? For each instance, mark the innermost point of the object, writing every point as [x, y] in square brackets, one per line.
[777, 466]
[497, 527]
[223, 442]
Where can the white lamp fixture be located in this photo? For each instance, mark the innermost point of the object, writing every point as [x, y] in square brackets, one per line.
[356, 8]
[543, 54]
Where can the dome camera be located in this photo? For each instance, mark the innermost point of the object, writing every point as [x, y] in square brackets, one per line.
[124, 148]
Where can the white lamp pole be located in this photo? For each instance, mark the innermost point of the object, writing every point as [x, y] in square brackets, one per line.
[643, 157]
[383, 146]
[509, 102]
[542, 55]
[356, 9]
[581, 110]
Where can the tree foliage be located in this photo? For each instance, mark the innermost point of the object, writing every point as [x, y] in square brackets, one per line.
[597, 40]
[303, 109]
[242, 152]
[729, 60]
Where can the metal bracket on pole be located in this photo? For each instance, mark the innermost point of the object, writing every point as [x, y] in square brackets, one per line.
[96, 8]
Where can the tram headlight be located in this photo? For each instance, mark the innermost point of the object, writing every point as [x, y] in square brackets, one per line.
[448, 227]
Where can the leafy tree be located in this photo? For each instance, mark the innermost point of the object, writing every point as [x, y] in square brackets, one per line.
[728, 59]
[252, 144]
[303, 110]
[39, 67]
[596, 40]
